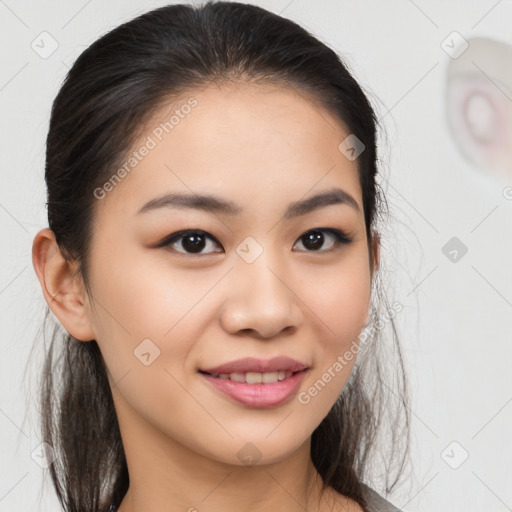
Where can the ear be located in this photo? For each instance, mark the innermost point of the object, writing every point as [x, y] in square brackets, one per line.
[62, 289]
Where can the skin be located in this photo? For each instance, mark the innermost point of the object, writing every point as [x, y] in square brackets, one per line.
[262, 147]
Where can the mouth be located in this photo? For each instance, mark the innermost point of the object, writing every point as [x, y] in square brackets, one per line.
[254, 377]
[252, 365]
[255, 389]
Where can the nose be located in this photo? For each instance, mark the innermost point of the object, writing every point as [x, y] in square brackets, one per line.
[261, 300]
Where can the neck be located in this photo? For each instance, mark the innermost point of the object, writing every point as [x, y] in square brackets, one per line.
[166, 475]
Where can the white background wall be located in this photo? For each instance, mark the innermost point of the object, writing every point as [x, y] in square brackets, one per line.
[456, 325]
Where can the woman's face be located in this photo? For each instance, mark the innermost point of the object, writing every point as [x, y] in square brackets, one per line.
[262, 278]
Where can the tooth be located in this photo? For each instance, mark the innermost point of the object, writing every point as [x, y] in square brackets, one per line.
[253, 378]
[237, 377]
[270, 377]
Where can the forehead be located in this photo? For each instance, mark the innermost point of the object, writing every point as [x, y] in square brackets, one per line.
[239, 140]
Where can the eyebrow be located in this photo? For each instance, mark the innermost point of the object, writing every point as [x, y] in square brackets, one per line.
[221, 206]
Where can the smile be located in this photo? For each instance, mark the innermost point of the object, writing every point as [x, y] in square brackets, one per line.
[255, 377]
[258, 390]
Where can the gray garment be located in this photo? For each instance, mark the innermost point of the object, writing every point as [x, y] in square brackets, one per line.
[376, 503]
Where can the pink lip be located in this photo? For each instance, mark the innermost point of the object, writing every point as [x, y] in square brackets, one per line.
[258, 395]
[252, 364]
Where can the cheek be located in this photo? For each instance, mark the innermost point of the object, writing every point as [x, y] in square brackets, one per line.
[341, 306]
[340, 297]
[147, 325]
[150, 313]
[140, 311]
[348, 307]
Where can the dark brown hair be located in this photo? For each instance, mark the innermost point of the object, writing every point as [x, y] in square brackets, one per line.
[113, 88]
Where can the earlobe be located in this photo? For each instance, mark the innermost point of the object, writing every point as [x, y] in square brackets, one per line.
[60, 286]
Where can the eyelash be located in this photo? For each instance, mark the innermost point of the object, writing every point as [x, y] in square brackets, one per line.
[341, 238]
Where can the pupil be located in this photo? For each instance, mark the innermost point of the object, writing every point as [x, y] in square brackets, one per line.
[193, 243]
[314, 239]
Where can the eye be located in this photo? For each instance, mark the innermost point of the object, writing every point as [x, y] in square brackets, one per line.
[315, 238]
[195, 241]
[192, 241]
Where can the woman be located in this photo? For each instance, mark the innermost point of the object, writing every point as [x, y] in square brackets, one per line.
[212, 255]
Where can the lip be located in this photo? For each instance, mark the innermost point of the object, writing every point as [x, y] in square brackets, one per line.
[253, 364]
[260, 396]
